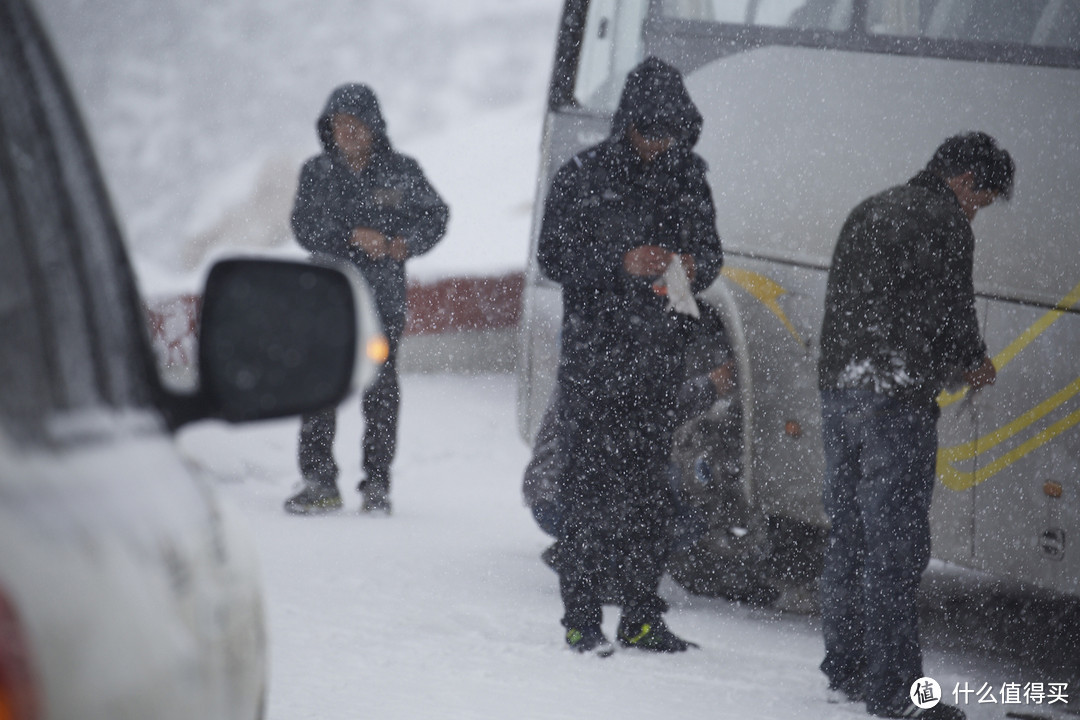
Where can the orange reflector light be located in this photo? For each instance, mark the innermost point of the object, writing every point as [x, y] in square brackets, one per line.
[378, 349]
[1052, 489]
[793, 428]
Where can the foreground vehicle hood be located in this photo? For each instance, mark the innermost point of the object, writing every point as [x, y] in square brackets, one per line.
[136, 589]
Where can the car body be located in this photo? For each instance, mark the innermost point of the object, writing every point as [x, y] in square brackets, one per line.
[127, 589]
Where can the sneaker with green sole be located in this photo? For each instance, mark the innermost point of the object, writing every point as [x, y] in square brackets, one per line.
[652, 636]
[589, 640]
[314, 498]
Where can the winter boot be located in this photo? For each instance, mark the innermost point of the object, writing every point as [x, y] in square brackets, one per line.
[652, 636]
[376, 497]
[314, 498]
[589, 639]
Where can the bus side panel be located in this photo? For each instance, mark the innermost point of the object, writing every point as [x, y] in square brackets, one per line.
[1027, 481]
[796, 137]
[565, 135]
[781, 308]
[952, 514]
[539, 357]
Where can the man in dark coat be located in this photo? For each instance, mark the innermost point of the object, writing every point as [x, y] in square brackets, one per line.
[616, 217]
[899, 326]
[712, 381]
[362, 201]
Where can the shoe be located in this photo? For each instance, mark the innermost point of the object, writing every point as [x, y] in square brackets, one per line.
[652, 636]
[376, 498]
[591, 639]
[375, 504]
[314, 498]
[941, 711]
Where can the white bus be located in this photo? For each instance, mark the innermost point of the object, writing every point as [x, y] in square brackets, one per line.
[810, 107]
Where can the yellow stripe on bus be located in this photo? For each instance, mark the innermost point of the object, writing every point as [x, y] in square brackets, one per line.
[956, 480]
[1014, 348]
[766, 290]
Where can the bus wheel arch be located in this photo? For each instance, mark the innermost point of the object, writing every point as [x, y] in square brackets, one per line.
[722, 547]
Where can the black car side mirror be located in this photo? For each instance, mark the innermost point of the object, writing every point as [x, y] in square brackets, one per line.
[277, 338]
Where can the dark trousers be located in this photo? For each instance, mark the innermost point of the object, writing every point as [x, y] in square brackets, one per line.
[880, 455]
[380, 404]
[612, 548]
[618, 504]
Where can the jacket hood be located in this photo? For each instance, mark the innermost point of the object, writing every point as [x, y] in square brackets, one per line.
[654, 100]
[360, 102]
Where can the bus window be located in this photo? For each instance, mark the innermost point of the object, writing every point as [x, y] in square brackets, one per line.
[611, 45]
[812, 14]
[1047, 23]
[1059, 25]
[616, 33]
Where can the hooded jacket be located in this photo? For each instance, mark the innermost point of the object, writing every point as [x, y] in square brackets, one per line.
[390, 195]
[607, 200]
[622, 356]
[900, 301]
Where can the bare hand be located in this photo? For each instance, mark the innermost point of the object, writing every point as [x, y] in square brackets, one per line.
[981, 376]
[647, 261]
[397, 249]
[372, 242]
[723, 378]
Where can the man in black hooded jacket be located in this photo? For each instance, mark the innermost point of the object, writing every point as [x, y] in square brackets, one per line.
[362, 201]
[617, 215]
[899, 326]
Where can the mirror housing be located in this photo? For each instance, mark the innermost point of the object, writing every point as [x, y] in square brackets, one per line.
[276, 338]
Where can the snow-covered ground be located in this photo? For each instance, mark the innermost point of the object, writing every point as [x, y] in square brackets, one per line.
[445, 610]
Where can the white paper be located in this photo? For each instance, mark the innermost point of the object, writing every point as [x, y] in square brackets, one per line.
[680, 296]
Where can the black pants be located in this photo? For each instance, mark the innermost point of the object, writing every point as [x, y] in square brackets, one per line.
[612, 549]
[380, 405]
[615, 535]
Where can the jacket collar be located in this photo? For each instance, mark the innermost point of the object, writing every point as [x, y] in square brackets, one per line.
[934, 183]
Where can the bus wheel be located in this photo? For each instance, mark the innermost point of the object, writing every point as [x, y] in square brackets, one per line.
[722, 546]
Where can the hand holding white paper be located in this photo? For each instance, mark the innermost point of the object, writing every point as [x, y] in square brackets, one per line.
[680, 296]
